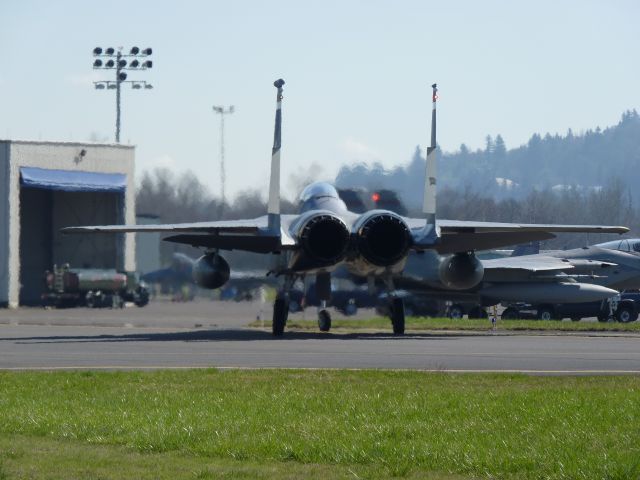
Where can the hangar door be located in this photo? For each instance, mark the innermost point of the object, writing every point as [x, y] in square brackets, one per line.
[53, 199]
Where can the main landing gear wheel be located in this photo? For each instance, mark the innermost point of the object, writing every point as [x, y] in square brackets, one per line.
[546, 313]
[324, 321]
[397, 316]
[456, 312]
[625, 314]
[280, 313]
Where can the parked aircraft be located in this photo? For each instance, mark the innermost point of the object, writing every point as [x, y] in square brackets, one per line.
[565, 276]
[175, 275]
[180, 272]
[324, 235]
[579, 275]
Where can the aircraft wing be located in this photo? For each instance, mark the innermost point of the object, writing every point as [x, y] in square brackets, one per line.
[462, 235]
[224, 226]
[541, 263]
[251, 235]
[462, 226]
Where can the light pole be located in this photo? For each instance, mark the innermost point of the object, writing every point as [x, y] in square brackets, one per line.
[223, 175]
[104, 60]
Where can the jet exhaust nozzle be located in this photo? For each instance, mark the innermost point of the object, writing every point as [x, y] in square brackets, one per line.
[324, 237]
[383, 238]
[461, 271]
[211, 271]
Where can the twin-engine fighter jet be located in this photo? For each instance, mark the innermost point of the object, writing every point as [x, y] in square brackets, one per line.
[565, 276]
[324, 234]
[586, 274]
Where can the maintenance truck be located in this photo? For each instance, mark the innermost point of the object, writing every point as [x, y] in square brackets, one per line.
[93, 288]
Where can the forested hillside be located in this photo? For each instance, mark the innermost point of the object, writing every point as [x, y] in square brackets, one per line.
[582, 161]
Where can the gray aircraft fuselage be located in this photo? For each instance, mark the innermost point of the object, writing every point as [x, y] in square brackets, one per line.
[588, 277]
[625, 275]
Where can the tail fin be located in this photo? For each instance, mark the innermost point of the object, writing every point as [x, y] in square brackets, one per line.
[273, 207]
[429, 203]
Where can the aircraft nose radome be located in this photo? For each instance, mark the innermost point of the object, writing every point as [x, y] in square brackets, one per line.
[589, 292]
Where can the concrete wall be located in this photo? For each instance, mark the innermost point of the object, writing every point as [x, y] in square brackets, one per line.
[60, 156]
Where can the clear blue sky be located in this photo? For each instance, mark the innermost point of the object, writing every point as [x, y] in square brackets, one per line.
[357, 73]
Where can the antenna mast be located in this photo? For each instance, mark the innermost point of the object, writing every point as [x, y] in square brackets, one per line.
[223, 174]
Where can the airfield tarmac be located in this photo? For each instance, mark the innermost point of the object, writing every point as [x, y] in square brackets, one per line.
[214, 334]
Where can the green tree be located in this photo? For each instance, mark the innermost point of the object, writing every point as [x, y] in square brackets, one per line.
[499, 147]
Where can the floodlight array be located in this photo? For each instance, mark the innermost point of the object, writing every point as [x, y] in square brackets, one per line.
[135, 84]
[137, 59]
[114, 59]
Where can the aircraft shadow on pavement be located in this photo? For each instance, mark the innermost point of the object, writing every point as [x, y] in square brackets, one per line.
[223, 335]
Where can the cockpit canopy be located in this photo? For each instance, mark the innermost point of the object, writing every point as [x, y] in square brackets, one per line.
[318, 190]
[631, 245]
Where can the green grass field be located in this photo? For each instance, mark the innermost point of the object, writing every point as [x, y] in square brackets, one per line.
[422, 323]
[317, 424]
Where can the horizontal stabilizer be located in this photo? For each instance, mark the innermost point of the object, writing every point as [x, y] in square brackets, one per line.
[261, 244]
[252, 226]
[466, 242]
[468, 226]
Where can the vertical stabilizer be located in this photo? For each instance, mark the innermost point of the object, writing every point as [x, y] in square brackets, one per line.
[273, 207]
[429, 203]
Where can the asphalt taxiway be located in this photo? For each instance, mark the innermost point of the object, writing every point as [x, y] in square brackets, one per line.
[213, 334]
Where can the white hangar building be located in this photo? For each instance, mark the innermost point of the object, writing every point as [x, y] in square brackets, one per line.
[45, 186]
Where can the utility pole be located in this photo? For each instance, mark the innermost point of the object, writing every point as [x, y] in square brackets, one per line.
[104, 61]
[222, 111]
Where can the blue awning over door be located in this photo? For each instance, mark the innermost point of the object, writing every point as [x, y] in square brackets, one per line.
[72, 180]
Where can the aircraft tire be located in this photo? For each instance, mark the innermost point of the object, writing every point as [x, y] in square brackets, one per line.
[397, 316]
[510, 314]
[324, 320]
[280, 313]
[625, 314]
[91, 300]
[456, 312]
[350, 309]
[546, 313]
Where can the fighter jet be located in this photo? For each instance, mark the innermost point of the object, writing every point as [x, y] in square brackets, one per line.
[324, 234]
[579, 275]
[566, 276]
